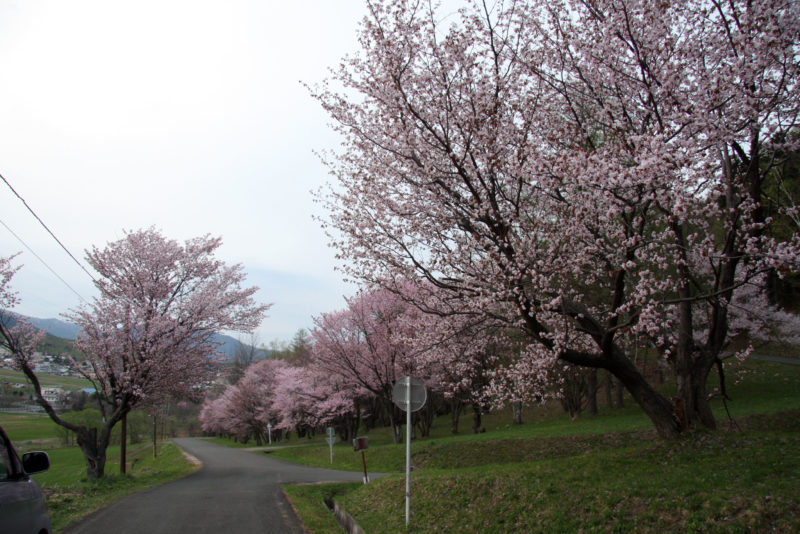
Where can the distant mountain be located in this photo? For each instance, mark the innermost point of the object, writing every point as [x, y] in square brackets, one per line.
[68, 331]
[229, 345]
[56, 327]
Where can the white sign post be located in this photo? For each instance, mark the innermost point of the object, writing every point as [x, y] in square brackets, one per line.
[409, 395]
[269, 432]
[331, 439]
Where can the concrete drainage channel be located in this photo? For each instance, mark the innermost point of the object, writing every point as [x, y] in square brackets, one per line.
[345, 520]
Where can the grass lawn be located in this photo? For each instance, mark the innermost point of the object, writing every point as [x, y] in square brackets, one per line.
[25, 429]
[710, 482]
[595, 474]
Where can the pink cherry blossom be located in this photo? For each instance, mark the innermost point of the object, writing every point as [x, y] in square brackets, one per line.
[589, 173]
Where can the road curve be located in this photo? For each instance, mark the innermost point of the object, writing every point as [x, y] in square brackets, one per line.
[235, 491]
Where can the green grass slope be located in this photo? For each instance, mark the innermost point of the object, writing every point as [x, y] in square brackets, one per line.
[596, 474]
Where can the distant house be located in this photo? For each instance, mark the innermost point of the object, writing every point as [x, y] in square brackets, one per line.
[53, 395]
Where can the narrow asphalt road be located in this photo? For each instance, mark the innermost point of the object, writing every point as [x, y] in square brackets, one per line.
[790, 361]
[235, 491]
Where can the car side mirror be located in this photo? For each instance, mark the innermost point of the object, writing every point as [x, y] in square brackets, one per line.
[35, 462]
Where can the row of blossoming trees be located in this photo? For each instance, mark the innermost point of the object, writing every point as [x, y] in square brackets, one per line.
[583, 177]
[594, 174]
[355, 357]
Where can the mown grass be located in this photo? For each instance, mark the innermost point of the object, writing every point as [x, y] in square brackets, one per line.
[596, 474]
[711, 482]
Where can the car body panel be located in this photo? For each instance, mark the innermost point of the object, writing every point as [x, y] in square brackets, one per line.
[22, 505]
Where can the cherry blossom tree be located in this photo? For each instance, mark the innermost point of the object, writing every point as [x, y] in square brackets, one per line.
[150, 332]
[307, 398]
[589, 173]
[244, 409]
[457, 357]
[363, 346]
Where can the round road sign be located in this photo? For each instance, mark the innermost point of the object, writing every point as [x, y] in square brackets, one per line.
[418, 394]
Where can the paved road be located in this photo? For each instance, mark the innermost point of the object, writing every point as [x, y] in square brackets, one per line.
[790, 361]
[235, 491]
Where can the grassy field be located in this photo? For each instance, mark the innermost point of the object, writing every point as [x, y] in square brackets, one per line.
[595, 474]
[64, 382]
[708, 482]
[69, 495]
[27, 429]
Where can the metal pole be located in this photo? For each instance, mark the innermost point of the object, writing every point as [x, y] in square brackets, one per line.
[408, 449]
[330, 444]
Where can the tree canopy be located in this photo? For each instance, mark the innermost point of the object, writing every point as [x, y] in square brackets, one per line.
[589, 173]
[149, 333]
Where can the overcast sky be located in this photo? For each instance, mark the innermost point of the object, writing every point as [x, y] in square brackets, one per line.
[187, 116]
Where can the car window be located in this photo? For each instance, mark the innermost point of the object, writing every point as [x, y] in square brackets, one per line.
[5, 462]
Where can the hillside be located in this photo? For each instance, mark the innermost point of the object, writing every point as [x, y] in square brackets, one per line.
[58, 346]
[608, 473]
[61, 336]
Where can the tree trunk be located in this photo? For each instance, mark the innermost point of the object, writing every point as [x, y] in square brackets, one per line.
[155, 434]
[427, 414]
[397, 427]
[693, 393]
[476, 418]
[455, 413]
[94, 455]
[516, 410]
[352, 423]
[658, 408]
[123, 438]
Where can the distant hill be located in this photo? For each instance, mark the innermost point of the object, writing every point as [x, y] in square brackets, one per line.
[62, 334]
[229, 345]
[55, 327]
[58, 346]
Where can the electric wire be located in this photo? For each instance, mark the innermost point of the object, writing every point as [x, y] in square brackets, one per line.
[41, 260]
[48, 231]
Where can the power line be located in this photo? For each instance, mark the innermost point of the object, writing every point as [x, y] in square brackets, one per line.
[48, 231]
[41, 260]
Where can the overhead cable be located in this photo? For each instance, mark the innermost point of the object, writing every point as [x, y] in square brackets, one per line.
[41, 260]
[48, 231]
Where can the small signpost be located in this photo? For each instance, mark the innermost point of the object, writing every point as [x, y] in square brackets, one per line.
[362, 444]
[409, 394]
[330, 438]
[269, 432]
